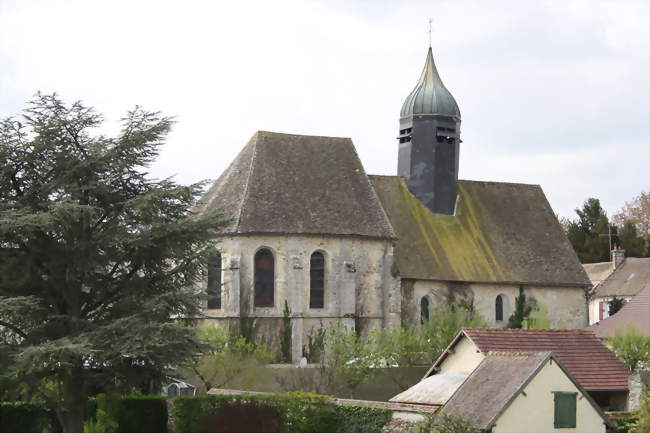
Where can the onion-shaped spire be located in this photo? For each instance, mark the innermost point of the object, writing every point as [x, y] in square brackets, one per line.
[430, 95]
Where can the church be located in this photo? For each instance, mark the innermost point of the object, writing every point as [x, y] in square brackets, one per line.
[312, 239]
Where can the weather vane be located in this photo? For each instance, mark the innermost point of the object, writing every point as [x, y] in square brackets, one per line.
[430, 21]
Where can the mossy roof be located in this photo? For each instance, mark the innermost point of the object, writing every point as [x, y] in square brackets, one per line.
[501, 232]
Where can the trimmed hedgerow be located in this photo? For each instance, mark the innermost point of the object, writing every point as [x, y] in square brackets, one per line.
[134, 413]
[292, 413]
[26, 418]
[357, 419]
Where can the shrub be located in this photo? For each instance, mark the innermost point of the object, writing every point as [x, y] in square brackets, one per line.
[26, 418]
[142, 414]
[445, 423]
[296, 413]
[633, 348]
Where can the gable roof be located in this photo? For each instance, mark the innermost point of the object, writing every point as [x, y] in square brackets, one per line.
[628, 279]
[497, 381]
[593, 365]
[297, 184]
[501, 232]
[598, 272]
[635, 313]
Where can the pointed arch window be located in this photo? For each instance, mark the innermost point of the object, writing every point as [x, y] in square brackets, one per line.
[214, 282]
[317, 280]
[498, 308]
[424, 309]
[264, 278]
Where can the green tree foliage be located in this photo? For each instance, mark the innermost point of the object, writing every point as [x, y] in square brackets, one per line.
[523, 310]
[615, 304]
[643, 425]
[632, 348]
[446, 423]
[588, 233]
[285, 334]
[444, 323]
[227, 360]
[629, 239]
[95, 257]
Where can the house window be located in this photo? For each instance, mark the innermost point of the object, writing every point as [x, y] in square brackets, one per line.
[214, 282]
[424, 309]
[498, 308]
[264, 278]
[565, 410]
[317, 280]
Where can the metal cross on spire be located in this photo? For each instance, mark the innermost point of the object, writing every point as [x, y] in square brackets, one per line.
[430, 21]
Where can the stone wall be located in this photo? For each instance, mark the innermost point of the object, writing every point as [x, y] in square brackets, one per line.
[565, 307]
[360, 286]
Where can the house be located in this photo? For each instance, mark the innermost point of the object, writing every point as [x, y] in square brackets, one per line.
[634, 314]
[622, 278]
[311, 236]
[508, 391]
[594, 367]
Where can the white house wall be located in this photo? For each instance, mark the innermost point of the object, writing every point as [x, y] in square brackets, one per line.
[463, 359]
[534, 412]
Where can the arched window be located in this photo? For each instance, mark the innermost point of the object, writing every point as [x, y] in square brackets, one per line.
[424, 309]
[498, 308]
[317, 280]
[214, 281]
[264, 278]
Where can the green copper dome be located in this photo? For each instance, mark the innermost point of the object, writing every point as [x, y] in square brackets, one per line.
[430, 96]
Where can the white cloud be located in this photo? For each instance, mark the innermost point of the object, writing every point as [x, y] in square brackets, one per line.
[552, 92]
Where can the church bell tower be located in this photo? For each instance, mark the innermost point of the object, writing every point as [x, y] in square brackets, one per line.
[429, 142]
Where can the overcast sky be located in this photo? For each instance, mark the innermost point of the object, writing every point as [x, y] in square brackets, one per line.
[551, 92]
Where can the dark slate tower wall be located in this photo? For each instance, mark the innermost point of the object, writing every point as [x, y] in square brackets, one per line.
[429, 142]
[428, 160]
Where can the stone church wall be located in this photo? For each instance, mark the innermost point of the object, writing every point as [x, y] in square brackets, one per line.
[360, 288]
[565, 307]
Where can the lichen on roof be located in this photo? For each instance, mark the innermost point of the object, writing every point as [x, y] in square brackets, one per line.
[501, 232]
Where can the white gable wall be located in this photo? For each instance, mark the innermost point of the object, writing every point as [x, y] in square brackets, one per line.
[464, 358]
[534, 413]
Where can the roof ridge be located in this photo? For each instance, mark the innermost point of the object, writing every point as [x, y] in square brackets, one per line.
[498, 182]
[515, 330]
[264, 132]
[248, 180]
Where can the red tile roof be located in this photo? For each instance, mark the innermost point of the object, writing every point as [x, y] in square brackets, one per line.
[593, 365]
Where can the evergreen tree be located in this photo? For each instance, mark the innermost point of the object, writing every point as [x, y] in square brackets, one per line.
[522, 311]
[615, 305]
[589, 233]
[95, 258]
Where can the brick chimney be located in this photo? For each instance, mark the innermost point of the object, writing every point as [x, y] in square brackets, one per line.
[618, 256]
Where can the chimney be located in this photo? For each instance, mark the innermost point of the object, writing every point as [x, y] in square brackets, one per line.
[618, 256]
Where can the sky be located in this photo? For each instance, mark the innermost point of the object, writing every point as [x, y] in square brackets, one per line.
[551, 92]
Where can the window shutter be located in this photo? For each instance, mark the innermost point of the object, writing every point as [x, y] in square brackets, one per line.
[565, 410]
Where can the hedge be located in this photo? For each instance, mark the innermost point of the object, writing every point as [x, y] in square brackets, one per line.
[26, 418]
[142, 414]
[135, 413]
[274, 413]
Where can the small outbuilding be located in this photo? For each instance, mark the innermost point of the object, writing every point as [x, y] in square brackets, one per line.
[525, 392]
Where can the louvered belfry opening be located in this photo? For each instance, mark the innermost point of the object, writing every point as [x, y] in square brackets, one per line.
[264, 278]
